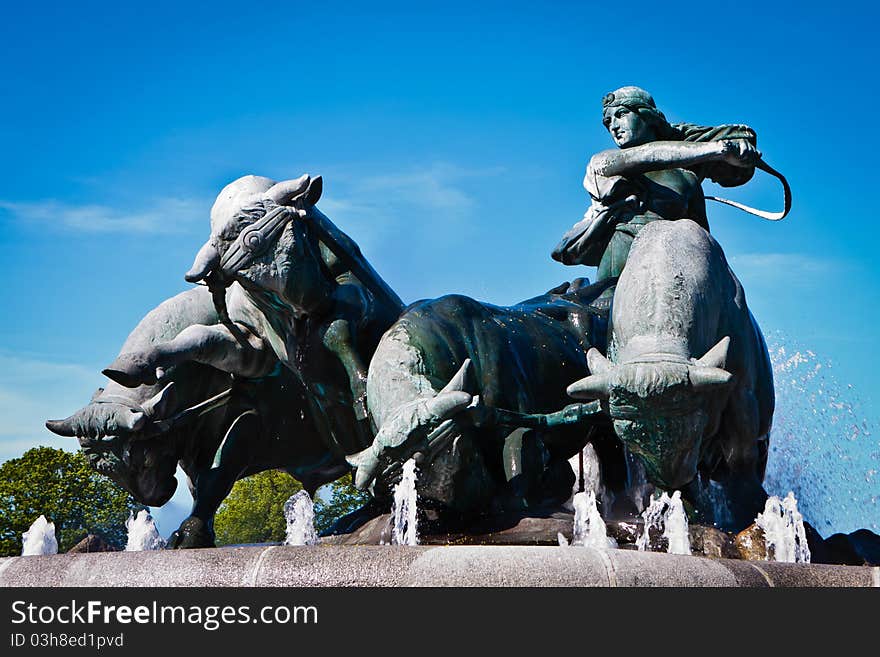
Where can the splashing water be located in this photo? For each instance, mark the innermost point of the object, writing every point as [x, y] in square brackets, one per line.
[587, 471]
[638, 488]
[784, 533]
[299, 513]
[404, 511]
[142, 533]
[666, 516]
[676, 531]
[718, 501]
[39, 539]
[653, 517]
[822, 446]
[589, 528]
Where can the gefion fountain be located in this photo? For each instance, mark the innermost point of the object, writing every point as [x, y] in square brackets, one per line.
[656, 374]
[39, 539]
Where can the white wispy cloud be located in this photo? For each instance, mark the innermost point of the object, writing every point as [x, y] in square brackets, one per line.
[370, 206]
[794, 270]
[799, 264]
[437, 186]
[34, 390]
[165, 215]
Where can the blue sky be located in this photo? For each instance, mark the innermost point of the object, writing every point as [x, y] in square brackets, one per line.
[452, 140]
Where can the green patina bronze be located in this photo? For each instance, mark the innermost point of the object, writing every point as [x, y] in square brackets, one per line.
[298, 355]
[655, 174]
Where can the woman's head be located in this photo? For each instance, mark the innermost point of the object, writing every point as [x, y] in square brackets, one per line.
[632, 117]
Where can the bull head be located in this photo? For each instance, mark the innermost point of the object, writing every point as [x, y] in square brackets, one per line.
[661, 407]
[120, 440]
[248, 219]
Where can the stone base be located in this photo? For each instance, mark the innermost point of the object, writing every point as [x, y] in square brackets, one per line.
[856, 549]
[464, 565]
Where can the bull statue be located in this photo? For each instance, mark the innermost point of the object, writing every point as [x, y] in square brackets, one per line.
[472, 391]
[291, 305]
[282, 320]
[296, 337]
[282, 294]
[217, 427]
[688, 381]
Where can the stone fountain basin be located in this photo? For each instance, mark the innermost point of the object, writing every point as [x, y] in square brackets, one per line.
[452, 565]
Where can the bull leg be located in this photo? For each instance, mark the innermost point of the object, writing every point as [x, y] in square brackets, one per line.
[743, 456]
[213, 485]
[230, 347]
[413, 417]
[338, 338]
[532, 476]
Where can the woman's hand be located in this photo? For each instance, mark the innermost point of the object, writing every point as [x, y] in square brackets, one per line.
[739, 152]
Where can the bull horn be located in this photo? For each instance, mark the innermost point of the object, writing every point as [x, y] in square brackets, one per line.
[703, 378]
[134, 421]
[454, 396]
[129, 421]
[597, 363]
[460, 379]
[284, 192]
[162, 403]
[447, 404]
[595, 386]
[717, 355]
[207, 259]
[62, 427]
[366, 465]
[313, 193]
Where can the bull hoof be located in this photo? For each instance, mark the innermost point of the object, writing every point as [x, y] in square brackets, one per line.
[192, 533]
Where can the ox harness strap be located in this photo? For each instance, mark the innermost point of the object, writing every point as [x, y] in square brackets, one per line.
[572, 414]
[122, 401]
[198, 410]
[190, 413]
[255, 239]
[251, 242]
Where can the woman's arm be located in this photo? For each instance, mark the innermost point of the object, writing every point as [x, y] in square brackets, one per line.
[659, 155]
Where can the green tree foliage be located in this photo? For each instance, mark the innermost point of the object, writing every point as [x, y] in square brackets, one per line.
[254, 510]
[61, 486]
[337, 499]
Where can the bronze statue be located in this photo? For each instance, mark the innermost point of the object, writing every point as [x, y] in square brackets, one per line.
[687, 381]
[656, 173]
[298, 338]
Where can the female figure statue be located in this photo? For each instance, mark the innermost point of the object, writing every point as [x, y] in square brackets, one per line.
[656, 174]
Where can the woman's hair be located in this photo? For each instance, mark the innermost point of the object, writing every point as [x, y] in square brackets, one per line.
[642, 103]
